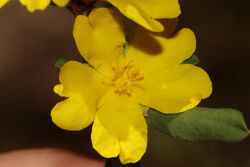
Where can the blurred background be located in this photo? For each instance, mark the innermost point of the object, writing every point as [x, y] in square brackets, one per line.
[30, 44]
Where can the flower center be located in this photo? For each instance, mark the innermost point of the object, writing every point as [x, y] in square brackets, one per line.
[125, 78]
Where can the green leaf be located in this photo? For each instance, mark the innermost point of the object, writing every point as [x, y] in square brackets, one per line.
[59, 63]
[192, 60]
[126, 48]
[115, 162]
[201, 124]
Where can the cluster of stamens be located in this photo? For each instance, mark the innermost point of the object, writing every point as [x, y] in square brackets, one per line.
[125, 78]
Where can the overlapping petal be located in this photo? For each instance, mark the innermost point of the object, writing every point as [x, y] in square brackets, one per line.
[120, 129]
[144, 12]
[158, 50]
[78, 84]
[99, 37]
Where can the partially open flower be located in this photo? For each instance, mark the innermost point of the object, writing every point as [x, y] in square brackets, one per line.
[145, 12]
[33, 5]
[111, 90]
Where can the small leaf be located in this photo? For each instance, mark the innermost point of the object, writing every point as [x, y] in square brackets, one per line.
[115, 162]
[126, 48]
[201, 124]
[192, 60]
[59, 63]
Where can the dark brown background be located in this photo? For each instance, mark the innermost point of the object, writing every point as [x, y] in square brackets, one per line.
[30, 44]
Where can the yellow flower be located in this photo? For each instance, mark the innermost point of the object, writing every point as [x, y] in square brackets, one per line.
[144, 12]
[113, 90]
[33, 5]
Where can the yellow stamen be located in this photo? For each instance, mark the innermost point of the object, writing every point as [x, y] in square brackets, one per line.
[125, 78]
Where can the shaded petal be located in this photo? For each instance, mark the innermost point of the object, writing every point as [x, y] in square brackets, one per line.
[33, 5]
[135, 13]
[158, 50]
[61, 3]
[160, 9]
[3, 2]
[175, 90]
[120, 128]
[100, 41]
[74, 113]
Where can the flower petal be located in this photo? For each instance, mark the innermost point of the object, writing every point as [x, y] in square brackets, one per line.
[3, 2]
[74, 113]
[176, 89]
[100, 41]
[103, 141]
[33, 5]
[61, 3]
[78, 84]
[135, 13]
[58, 89]
[77, 77]
[120, 128]
[160, 9]
[158, 50]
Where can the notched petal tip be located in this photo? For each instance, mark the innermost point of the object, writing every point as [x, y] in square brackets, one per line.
[103, 141]
[95, 39]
